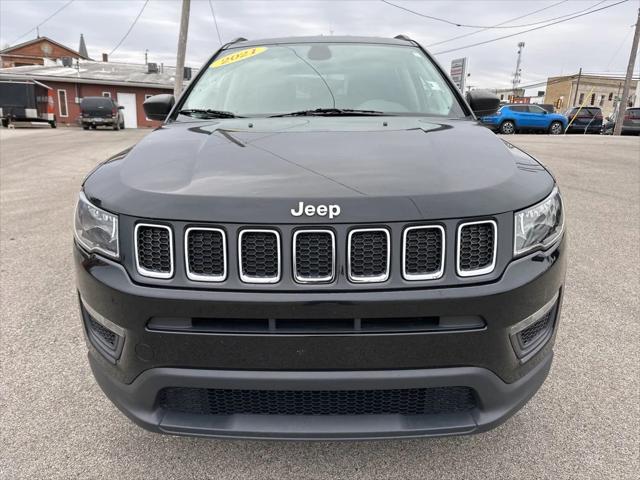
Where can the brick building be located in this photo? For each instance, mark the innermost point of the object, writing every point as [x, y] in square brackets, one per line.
[34, 52]
[129, 84]
[597, 90]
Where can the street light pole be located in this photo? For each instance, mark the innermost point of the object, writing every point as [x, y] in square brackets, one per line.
[182, 46]
[617, 130]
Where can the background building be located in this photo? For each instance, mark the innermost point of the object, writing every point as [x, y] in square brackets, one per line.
[37, 51]
[129, 84]
[597, 90]
[72, 75]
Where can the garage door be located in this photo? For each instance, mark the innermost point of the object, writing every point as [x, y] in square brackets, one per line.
[128, 101]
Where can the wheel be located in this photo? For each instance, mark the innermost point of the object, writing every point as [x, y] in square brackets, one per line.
[94, 127]
[508, 127]
[5, 123]
[85, 127]
[122, 125]
[116, 126]
[555, 128]
[53, 124]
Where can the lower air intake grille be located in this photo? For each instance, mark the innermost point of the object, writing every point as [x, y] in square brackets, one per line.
[369, 255]
[410, 401]
[423, 254]
[103, 333]
[534, 332]
[476, 244]
[154, 251]
[260, 256]
[206, 254]
[314, 256]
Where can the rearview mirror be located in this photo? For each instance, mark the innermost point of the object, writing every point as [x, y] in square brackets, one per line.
[483, 102]
[158, 106]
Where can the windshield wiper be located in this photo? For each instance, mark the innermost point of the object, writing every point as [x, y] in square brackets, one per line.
[347, 112]
[207, 113]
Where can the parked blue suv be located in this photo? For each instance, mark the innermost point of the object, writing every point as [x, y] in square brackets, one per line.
[517, 118]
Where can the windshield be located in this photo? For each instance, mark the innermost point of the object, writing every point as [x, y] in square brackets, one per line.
[280, 79]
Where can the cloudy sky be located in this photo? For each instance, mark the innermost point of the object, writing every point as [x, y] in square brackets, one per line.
[598, 42]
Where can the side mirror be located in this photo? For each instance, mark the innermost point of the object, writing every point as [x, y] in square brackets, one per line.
[158, 106]
[120, 107]
[545, 112]
[483, 102]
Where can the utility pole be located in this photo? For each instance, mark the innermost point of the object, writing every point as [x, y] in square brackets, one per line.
[575, 95]
[617, 130]
[146, 56]
[517, 74]
[182, 46]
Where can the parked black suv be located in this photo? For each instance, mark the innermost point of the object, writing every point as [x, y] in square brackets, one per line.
[101, 112]
[320, 242]
[584, 120]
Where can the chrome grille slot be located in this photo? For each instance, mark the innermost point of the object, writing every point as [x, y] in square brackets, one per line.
[205, 250]
[423, 252]
[477, 243]
[369, 255]
[259, 256]
[154, 250]
[314, 256]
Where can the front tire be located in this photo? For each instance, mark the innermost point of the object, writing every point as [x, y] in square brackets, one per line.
[508, 127]
[555, 128]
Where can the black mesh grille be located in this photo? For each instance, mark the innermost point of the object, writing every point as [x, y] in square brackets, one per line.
[314, 255]
[368, 255]
[536, 330]
[154, 249]
[106, 335]
[410, 401]
[423, 251]
[476, 246]
[259, 252]
[205, 253]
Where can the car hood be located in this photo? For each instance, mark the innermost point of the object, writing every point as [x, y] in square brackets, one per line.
[376, 169]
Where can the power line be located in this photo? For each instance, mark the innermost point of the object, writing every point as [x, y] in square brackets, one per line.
[518, 18]
[617, 51]
[130, 28]
[487, 27]
[44, 21]
[213, 14]
[531, 29]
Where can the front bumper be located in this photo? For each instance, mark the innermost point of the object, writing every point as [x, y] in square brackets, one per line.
[482, 359]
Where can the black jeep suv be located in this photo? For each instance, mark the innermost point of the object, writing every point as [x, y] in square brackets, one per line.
[320, 242]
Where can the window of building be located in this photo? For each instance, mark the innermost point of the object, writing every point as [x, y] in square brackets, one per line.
[581, 99]
[593, 99]
[106, 94]
[602, 97]
[62, 103]
[610, 96]
[147, 96]
[502, 96]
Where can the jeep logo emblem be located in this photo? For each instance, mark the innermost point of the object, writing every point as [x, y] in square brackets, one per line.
[320, 210]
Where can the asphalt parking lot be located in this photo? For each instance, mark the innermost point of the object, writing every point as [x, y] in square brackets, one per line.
[56, 423]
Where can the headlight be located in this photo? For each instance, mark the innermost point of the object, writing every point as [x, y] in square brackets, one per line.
[95, 229]
[540, 225]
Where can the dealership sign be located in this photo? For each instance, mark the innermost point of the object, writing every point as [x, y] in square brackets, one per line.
[459, 72]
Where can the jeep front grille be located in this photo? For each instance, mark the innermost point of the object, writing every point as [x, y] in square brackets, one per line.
[206, 254]
[314, 256]
[259, 256]
[369, 255]
[296, 255]
[423, 252]
[154, 250]
[477, 243]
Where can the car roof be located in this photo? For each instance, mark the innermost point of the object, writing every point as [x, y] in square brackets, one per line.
[321, 39]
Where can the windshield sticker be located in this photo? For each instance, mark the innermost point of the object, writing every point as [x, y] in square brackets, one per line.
[237, 56]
